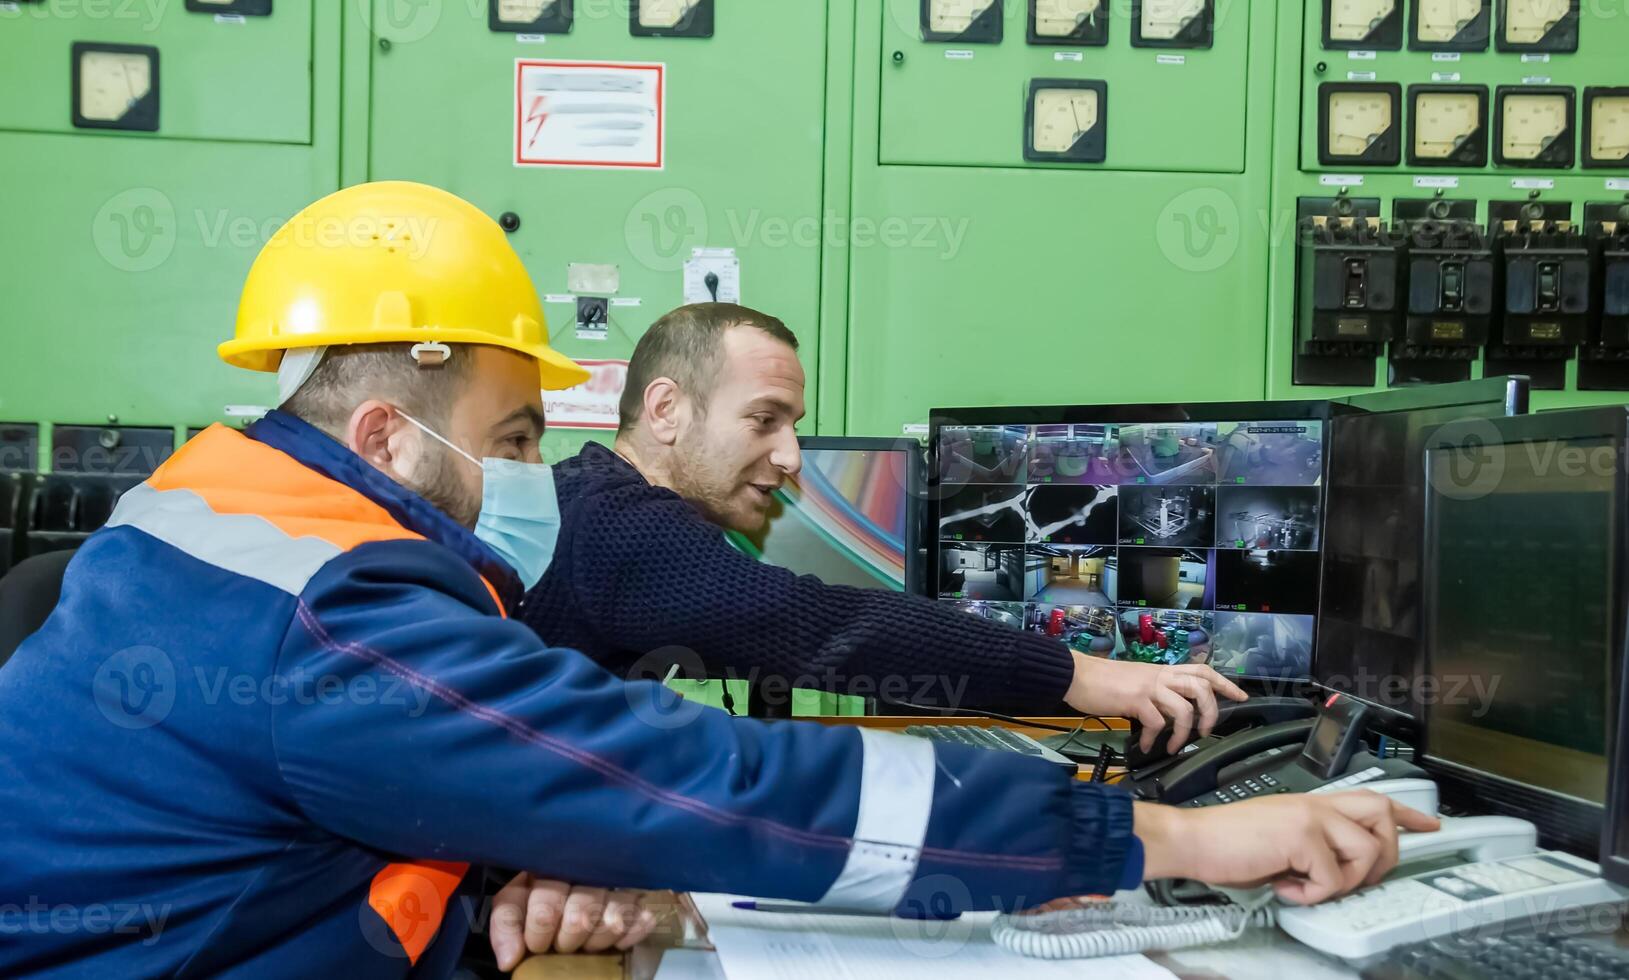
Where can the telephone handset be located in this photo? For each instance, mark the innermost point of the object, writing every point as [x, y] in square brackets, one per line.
[1231, 717]
[1288, 757]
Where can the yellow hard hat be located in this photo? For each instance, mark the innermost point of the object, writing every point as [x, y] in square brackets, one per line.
[391, 262]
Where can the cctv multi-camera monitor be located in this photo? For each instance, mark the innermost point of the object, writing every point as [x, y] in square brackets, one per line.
[850, 517]
[1525, 618]
[1217, 533]
[1150, 533]
[1369, 626]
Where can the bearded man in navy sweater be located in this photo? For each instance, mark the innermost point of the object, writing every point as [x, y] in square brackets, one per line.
[642, 568]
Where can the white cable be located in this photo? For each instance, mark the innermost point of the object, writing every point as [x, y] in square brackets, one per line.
[1121, 928]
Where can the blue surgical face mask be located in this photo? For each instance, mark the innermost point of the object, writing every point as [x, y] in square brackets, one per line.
[520, 513]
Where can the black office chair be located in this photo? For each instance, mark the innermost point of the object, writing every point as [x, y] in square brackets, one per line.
[66, 508]
[28, 593]
[15, 491]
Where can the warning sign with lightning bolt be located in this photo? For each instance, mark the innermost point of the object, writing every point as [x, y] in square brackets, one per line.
[590, 114]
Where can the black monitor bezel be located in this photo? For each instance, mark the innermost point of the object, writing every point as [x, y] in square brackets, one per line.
[915, 527]
[1243, 411]
[1496, 793]
[1614, 858]
[1514, 393]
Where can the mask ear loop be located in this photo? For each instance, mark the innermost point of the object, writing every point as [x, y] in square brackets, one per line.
[438, 437]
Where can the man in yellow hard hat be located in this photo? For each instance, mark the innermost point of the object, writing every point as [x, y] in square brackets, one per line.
[280, 712]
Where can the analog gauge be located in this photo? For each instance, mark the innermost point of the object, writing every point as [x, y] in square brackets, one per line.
[1171, 23]
[1448, 126]
[1065, 121]
[670, 18]
[1358, 124]
[247, 8]
[1068, 22]
[530, 16]
[1535, 127]
[1606, 127]
[1363, 24]
[1538, 25]
[115, 86]
[1450, 25]
[968, 21]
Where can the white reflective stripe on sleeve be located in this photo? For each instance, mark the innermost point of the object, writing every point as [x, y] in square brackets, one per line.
[239, 543]
[896, 798]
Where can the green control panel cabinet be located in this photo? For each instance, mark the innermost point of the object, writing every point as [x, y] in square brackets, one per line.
[1452, 196]
[951, 202]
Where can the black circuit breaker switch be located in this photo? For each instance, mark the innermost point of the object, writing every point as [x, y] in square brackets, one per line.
[1547, 299]
[1603, 361]
[1348, 284]
[1450, 292]
[593, 317]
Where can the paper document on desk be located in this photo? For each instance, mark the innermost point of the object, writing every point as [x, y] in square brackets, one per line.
[782, 946]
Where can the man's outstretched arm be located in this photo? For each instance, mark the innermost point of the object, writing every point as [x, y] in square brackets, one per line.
[649, 573]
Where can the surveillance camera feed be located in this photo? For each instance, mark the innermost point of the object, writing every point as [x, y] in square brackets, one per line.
[1170, 543]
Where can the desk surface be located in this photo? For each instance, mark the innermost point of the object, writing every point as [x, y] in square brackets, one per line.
[1259, 953]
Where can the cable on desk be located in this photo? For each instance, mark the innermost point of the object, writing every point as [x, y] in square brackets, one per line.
[1122, 928]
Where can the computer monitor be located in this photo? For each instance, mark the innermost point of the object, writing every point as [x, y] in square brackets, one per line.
[1369, 643]
[1615, 823]
[1524, 615]
[852, 516]
[1183, 533]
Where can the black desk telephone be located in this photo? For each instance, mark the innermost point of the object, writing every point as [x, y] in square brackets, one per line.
[1299, 755]
[1231, 717]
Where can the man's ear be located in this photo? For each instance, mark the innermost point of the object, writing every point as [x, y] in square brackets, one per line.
[665, 408]
[370, 434]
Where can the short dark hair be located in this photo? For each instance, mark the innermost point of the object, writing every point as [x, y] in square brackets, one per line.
[350, 375]
[687, 346]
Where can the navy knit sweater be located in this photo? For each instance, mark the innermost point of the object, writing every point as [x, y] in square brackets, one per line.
[638, 569]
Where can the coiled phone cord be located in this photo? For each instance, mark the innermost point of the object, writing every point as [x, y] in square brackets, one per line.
[1121, 928]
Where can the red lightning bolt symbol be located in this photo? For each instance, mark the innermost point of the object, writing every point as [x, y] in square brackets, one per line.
[538, 114]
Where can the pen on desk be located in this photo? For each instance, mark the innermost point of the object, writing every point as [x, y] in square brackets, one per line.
[819, 910]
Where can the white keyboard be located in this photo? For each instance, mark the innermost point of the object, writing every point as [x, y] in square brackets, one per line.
[1436, 903]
